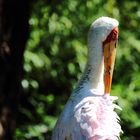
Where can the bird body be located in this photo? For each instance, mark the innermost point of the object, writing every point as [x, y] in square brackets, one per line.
[89, 113]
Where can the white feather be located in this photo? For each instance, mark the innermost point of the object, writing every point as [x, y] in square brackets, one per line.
[89, 117]
[89, 114]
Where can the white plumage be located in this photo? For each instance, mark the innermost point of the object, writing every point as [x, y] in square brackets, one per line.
[89, 113]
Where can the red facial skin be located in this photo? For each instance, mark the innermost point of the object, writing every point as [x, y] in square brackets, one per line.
[112, 36]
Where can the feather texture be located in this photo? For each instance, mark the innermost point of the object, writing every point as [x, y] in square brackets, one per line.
[89, 114]
[93, 118]
[97, 118]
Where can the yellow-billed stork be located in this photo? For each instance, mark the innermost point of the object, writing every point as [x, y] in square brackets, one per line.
[89, 113]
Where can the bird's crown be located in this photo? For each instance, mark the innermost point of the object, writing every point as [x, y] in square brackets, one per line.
[102, 27]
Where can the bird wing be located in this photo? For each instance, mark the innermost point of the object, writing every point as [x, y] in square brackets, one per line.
[97, 119]
[67, 127]
[92, 118]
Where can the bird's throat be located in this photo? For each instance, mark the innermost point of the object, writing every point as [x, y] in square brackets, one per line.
[96, 77]
[93, 77]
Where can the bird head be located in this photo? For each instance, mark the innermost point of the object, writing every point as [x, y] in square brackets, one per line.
[102, 40]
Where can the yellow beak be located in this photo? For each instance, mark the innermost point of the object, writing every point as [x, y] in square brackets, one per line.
[109, 53]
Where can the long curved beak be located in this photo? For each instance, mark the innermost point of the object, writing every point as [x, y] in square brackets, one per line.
[109, 53]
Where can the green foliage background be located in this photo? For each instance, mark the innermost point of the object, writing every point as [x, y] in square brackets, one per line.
[56, 55]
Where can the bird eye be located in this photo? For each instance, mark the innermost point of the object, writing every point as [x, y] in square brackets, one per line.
[114, 35]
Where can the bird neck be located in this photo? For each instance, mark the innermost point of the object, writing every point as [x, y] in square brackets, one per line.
[94, 72]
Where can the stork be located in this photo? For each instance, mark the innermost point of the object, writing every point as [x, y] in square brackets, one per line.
[89, 113]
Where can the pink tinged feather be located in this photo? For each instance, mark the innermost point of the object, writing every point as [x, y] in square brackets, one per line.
[98, 120]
